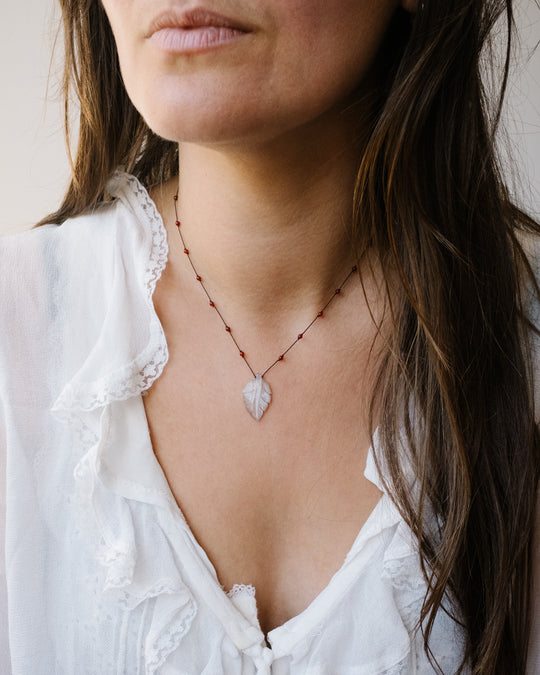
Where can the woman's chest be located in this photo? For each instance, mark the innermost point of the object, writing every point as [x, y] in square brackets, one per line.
[275, 504]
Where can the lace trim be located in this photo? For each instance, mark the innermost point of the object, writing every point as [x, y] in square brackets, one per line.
[128, 581]
[405, 576]
[124, 184]
[242, 590]
[169, 641]
[138, 374]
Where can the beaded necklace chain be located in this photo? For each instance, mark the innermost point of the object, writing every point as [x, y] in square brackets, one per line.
[257, 393]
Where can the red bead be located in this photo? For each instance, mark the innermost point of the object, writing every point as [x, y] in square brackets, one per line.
[281, 357]
[186, 251]
[212, 303]
[320, 314]
[177, 223]
[228, 329]
[300, 336]
[175, 198]
[338, 291]
[242, 354]
[198, 278]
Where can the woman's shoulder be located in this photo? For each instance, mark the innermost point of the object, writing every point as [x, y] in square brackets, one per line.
[43, 267]
[75, 299]
[129, 204]
[80, 250]
[28, 254]
[42, 273]
[59, 285]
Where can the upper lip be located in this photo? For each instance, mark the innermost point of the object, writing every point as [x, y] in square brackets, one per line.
[193, 18]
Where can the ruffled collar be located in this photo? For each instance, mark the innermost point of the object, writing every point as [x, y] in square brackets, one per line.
[112, 374]
[117, 467]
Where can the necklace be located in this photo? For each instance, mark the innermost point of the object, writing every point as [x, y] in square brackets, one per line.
[257, 394]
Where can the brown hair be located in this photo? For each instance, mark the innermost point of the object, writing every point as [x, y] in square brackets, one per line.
[431, 202]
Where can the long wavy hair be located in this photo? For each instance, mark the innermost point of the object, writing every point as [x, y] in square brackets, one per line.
[456, 378]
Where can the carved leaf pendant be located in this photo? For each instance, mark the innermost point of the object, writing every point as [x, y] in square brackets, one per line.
[257, 397]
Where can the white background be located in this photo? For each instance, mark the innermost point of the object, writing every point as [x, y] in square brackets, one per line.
[34, 169]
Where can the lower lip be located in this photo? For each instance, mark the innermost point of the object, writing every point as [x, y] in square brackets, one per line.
[195, 40]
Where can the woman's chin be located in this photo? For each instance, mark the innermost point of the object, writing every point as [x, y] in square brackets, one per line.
[190, 127]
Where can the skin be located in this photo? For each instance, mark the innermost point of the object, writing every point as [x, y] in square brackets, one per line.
[266, 176]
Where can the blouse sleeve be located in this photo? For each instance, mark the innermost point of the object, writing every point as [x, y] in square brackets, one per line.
[23, 336]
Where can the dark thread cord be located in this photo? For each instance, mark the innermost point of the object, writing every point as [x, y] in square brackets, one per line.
[312, 322]
[228, 328]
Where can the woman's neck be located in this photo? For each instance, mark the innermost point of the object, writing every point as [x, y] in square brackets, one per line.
[268, 230]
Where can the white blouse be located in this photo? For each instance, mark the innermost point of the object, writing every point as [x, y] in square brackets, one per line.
[103, 575]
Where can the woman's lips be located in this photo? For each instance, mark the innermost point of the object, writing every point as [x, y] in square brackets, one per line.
[196, 30]
[192, 40]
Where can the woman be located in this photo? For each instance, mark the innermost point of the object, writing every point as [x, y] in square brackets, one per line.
[275, 415]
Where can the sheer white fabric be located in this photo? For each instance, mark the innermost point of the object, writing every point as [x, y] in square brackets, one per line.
[103, 574]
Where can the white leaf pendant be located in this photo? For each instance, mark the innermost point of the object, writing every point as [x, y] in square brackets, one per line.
[257, 397]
